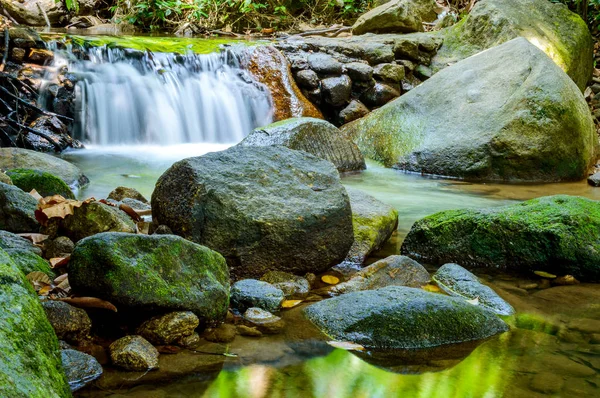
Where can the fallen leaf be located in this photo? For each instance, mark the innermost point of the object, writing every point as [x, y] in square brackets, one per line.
[130, 212]
[346, 345]
[330, 279]
[34, 238]
[55, 207]
[38, 276]
[168, 349]
[65, 286]
[60, 278]
[143, 227]
[290, 303]
[431, 288]
[44, 290]
[58, 262]
[544, 274]
[89, 302]
[35, 195]
[267, 31]
[475, 301]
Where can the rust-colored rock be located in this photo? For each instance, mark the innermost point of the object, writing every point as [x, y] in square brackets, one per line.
[40, 56]
[271, 68]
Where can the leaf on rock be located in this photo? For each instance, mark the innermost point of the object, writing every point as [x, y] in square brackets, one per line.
[346, 345]
[330, 279]
[475, 301]
[34, 238]
[60, 278]
[130, 212]
[89, 302]
[65, 286]
[35, 195]
[290, 303]
[59, 262]
[56, 207]
[431, 288]
[38, 277]
[544, 274]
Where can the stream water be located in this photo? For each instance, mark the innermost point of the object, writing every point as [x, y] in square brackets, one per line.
[552, 350]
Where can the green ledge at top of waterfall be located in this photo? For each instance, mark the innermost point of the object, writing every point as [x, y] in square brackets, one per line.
[179, 45]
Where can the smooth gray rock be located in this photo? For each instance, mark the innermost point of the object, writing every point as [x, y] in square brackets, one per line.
[264, 321]
[359, 71]
[80, 368]
[594, 180]
[249, 293]
[336, 90]
[307, 79]
[324, 64]
[378, 95]
[354, 110]
[121, 193]
[293, 286]
[17, 210]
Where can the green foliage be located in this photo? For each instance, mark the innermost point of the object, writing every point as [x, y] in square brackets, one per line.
[589, 10]
[72, 5]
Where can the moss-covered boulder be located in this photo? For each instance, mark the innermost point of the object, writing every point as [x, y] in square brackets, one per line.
[44, 183]
[373, 223]
[17, 210]
[560, 33]
[398, 317]
[506, 114]
[262, 208]
[557, 234]
[93, 218]
[315, 136]
[30, 364]
[18, 158]
[153, 273]
[402, 16]
[26, 256]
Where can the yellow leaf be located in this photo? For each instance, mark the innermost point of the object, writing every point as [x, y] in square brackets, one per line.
[431, 288]
[544, 274]
[290, 303]
[330, 279]
[475, 301]
[346, 345]
[45, 290]
[38, 276]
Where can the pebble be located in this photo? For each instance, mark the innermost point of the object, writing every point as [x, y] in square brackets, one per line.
[134, 353]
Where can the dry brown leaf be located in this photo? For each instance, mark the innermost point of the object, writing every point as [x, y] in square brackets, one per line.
[65, 286]
[35, 195]
[60, 278]
[130, 212]
[38, 277]
[290, 303]
[59, 262]
[44, 290]
[89, 302]
[330, 279]
[346, 345]
[143, 227]
[34, 238]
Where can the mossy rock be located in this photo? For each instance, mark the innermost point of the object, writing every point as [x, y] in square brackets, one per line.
[17, 210]
[556, 234]
[151, 273]
[93, 218]
[30, 363]
[506, 114]
[26, 256]
[560, 33]
[44, 183]
[399, 317]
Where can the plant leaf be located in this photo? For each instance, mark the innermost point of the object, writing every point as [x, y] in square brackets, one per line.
[330, 279]
[290, 303]
[89, 302]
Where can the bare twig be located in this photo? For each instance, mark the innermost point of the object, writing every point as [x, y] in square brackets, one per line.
[35, 108]
[7, 15]
[43, 12]
[56, 146]
[321, 32]
[6, 42]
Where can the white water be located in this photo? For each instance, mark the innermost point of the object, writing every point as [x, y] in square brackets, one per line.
[133, 98]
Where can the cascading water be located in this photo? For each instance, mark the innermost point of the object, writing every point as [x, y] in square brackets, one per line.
[128, 97]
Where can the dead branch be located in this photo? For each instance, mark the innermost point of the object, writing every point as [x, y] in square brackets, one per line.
[6, 42]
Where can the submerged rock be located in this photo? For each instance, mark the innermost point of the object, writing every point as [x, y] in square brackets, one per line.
[44, 183]
[402, 16]
[556, 234]
[311, 135]
[29, 353]
[293, 286]
[253, 293]
[17, 210]
[264, 321]
[170, 274]
[169, 328]
[373, 223]
[398, 317]
[224, 333]
[95, 217]
[134, 353]
[505, 114]
[26, 256]
[457, 281]
[70, 323]
[80, 368]
[262, 208]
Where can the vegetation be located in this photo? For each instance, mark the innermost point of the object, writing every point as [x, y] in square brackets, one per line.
[588, 9]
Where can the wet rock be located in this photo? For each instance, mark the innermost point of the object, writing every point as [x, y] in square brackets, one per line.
[378, 95]
[403, 16]
[225, 333]
[253, 293]
[253, 205]
[163, 230]
[30, 359]
[70, 323]
[264, 321]
[359, 71]
[80, 368]
[59, 247]
[170, 274]
[417, 131]
[270, 68]
[94, 218]
[292, 286]
[324, 64]
[55, 129]
[594, 180]
[391, 271]
[400, 317]
[307, 79]
[17, 158]
[546, 383]
[133, 203]
[134, 353]
[389, 72]
[40, 56]
[407, 49]
[315, 136]
[423, 72]
[191, 341]
[457, 281]
[168, 328]
[28, 11]
[373, 223]
[551, 234]
[23, 37]
[44, 183]
[585, 325]
[25, 255]
[17, 210]
[336, 90]
[5, 179]
[248, 331]
[354, 110]
[121, 193]
[565, 280]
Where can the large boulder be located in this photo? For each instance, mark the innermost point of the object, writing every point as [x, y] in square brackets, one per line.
[30, 360]
[373, 223]
[506, 114]
[17, 158]
[26, 256]
[315, 136]
[399, 317]
[556, 234]
[262, 208]
[402, 16]
[93, 218]
[44, 183]
[29, 12]
[560, 33]
[17, 210]
[153, 273]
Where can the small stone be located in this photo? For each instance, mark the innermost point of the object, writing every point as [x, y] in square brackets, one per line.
[594, 180]
[80, 368]
[163, 230]
[359, 71]
[407, 64]
[134, 353]
[307, 79]
[225, 333]
[40, 56]
[380, 94]
[59, 247]
[406, 49]
[423, 72]
[336, 90]
[354, 110]
[389, 72]
[248, 331]
[121, 193]
[546, 383]
[293, 286]
[528, 286]
[190, 341]
[311, 278]
[324, 64]
[18, 54]
[566, 280]
[168, 328]
[70, 323]
[254, 293]
[264, 321]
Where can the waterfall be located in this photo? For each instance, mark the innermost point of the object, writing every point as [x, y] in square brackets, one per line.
[126, 97]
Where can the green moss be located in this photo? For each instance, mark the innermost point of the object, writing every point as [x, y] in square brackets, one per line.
[45, 184]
